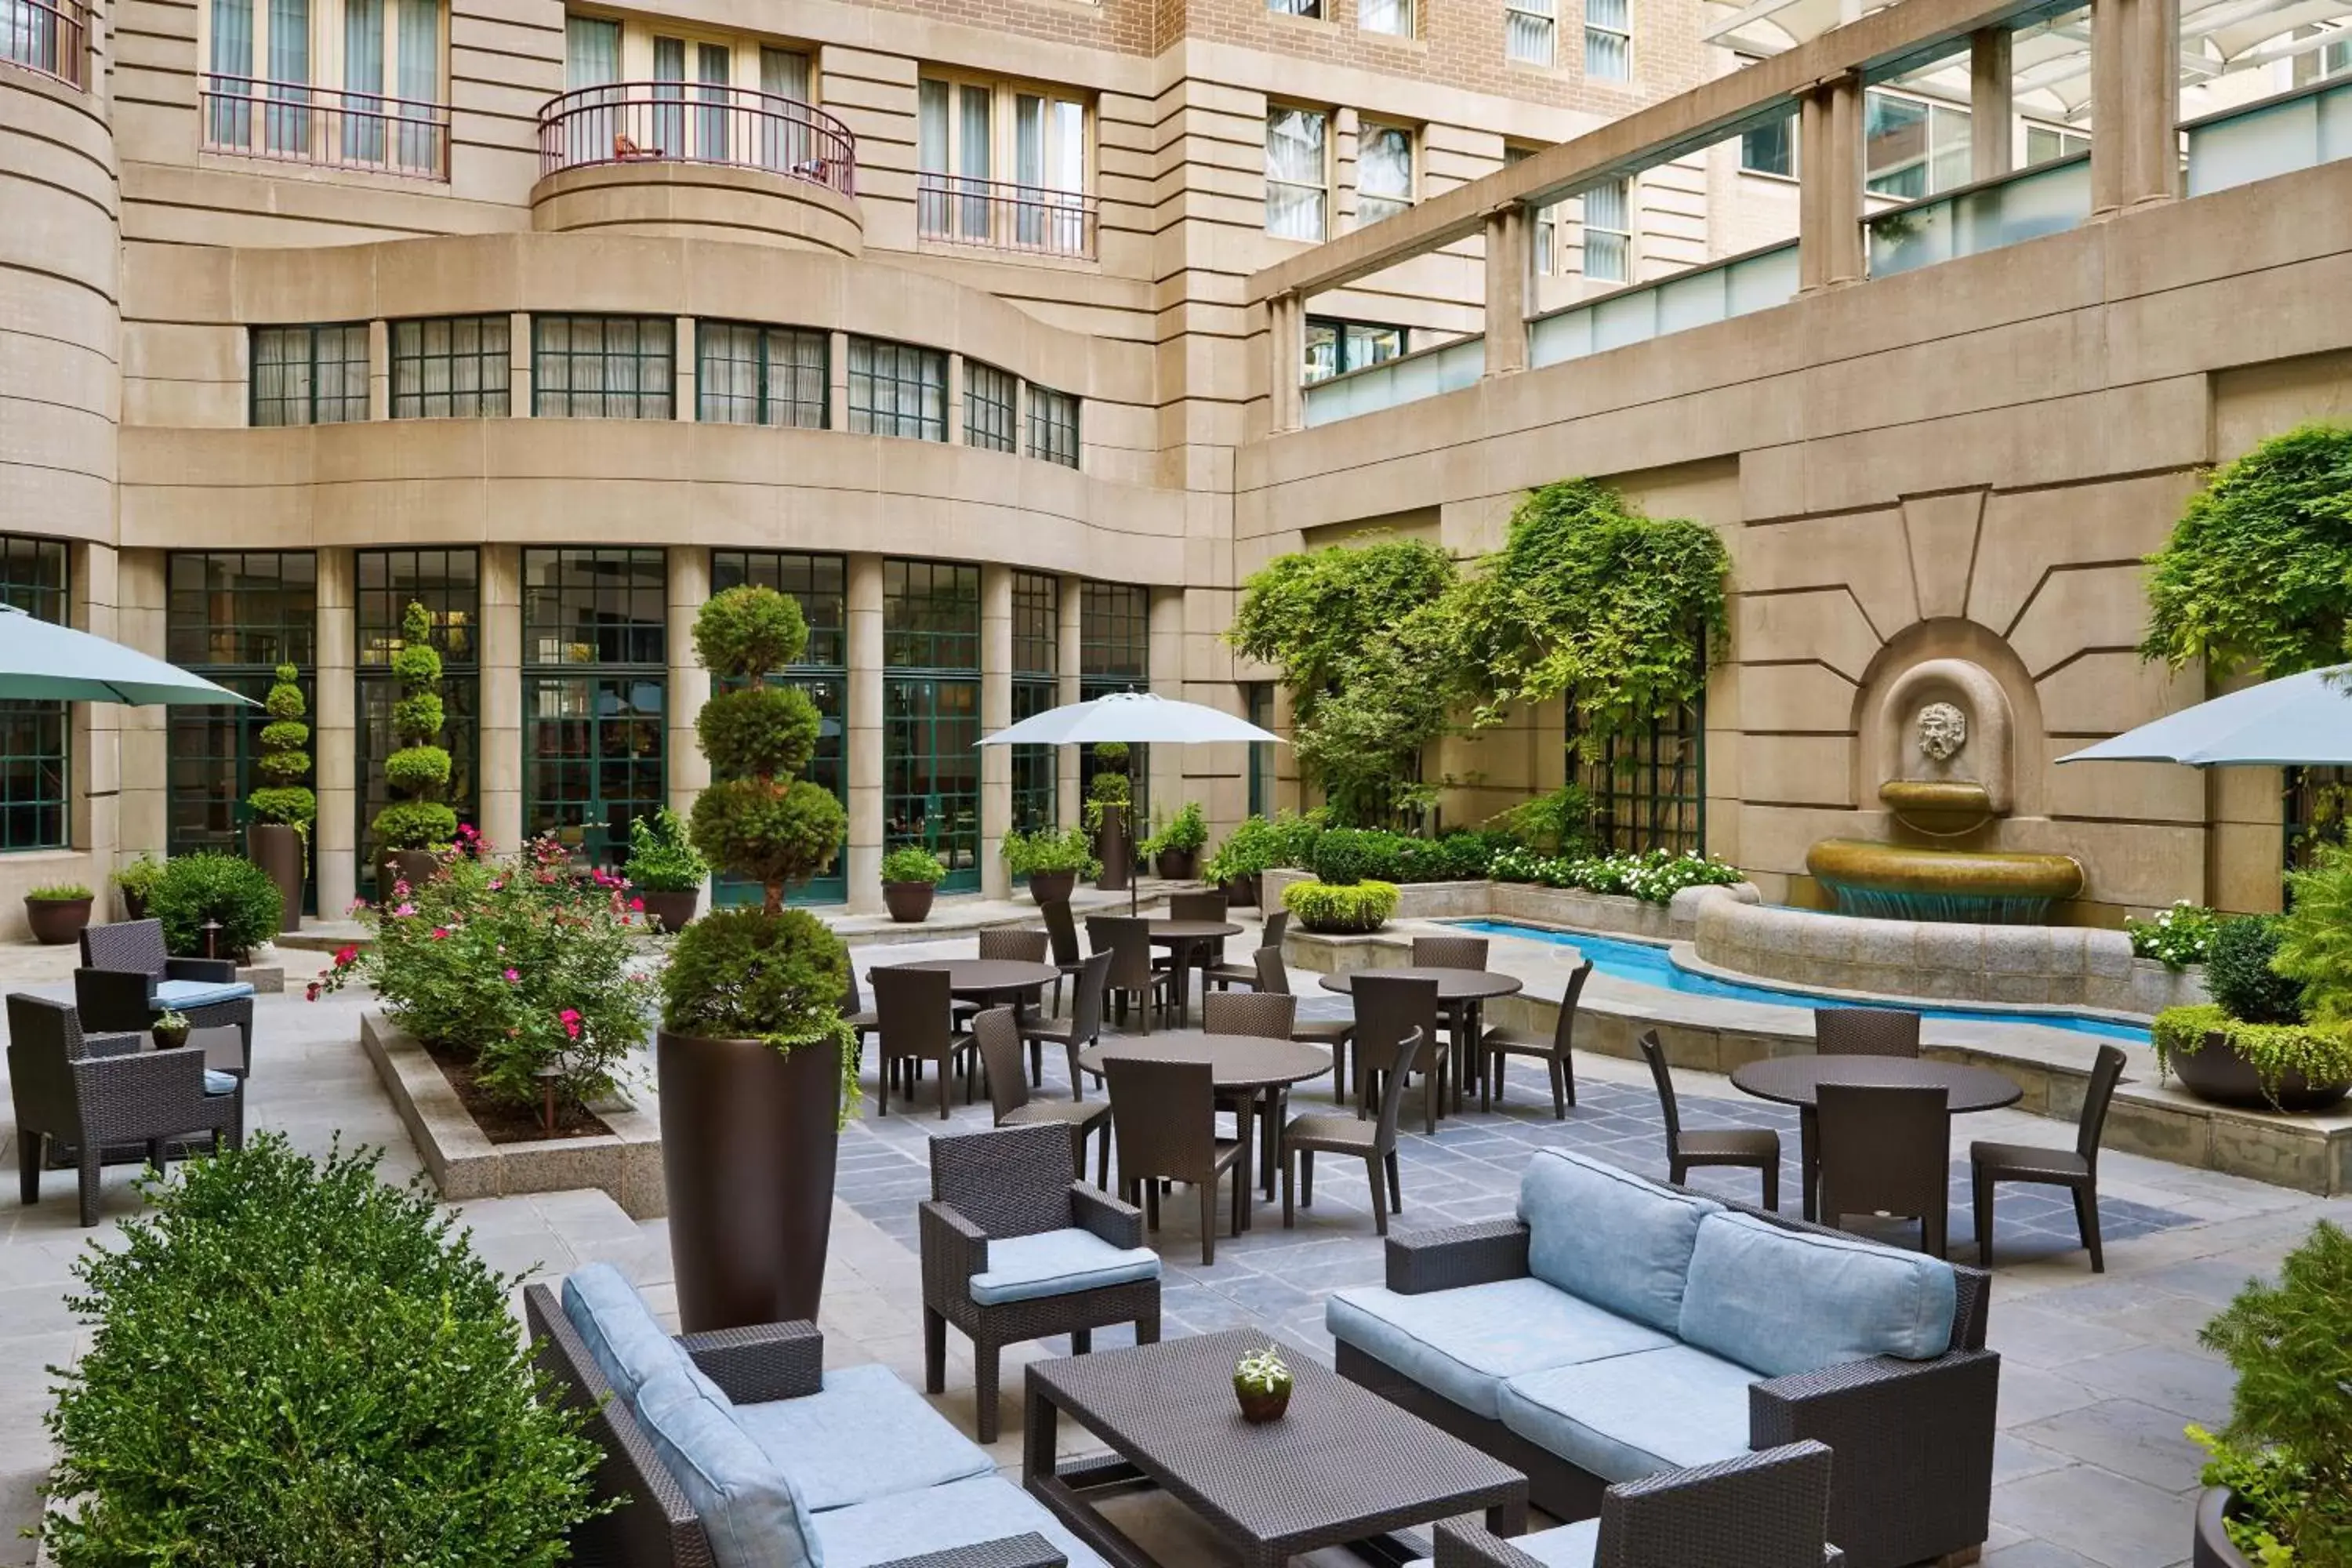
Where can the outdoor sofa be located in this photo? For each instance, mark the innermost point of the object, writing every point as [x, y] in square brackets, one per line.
[736, 1449]
[1620, 1329]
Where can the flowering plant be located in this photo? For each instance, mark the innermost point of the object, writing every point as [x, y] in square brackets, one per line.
[2177, 937]
[1653, 877]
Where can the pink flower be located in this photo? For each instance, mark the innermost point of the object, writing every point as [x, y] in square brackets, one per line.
[570, 1018]
[514, 976]
[440, 933]
[638, 905]
[346, 956]
[498, 884]
[314, 991]
[404, 911]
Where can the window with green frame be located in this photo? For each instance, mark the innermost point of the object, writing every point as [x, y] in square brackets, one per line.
[309, 374]
[1257, 707]
[1053, 425]
[603, 367]
[35, 741]
[897, 389]
[595, 684]
[931, 712]
[748, 375]
[448, 583]
[451, 367]
[1037, 687]
[1649, 791]
[2315, 802]
[819, 585]
[1115, 655]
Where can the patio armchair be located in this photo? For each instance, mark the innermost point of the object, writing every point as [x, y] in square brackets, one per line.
[916, 1026]
[1885, 1150]
[1501, 1042]
[1274, 980]
[1165, 1114]
[1751, 1148]
[1865, 1032]
[1396, 1031]
[1373, 1142]
[997, 1036]
[2078, 1170]
[1013, 1249]
[127, 980]
[1129, 942]
[1243, 973]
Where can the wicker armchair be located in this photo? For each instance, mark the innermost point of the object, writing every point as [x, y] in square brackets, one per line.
[1865, 1032]
[101, 1096]
[997, 1033]
[1373, 1142]
[1501, 1042]
[127, 980]
[991, 1191]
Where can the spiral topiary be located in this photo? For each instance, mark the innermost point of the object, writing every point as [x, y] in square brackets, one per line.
[419, 770]
[285, 757]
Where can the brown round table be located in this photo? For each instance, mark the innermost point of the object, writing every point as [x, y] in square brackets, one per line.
[1183, 940]
[1459, 992]
[1796, 1080]
[1247, 1066]
[987, 979]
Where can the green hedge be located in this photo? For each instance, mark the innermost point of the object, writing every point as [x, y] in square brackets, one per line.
[1353, 908]
[2321, 1052]
[210, 885]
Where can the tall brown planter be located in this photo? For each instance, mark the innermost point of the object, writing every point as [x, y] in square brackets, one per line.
[909, 903]
[1052, 887]
[1112, 849]
[278, 850]
[413, 866]
[748, 1142]
[670, 907]
[1178, 865]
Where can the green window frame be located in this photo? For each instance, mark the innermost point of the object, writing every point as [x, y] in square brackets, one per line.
[452, 367]
[1037, 688]
[1053, 425]
[35, 738]
[596, 689]
[309, 374]
[1115, 655]
[992, 402]
[819, 585]
[897, 389]
[930, 615]
[1257, 707]
[448, 583]
[603, 367]
[746, 373]
[1649, 790]
[931, 712]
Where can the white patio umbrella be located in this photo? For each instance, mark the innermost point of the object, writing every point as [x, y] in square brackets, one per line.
[42, 661]
[2297, 720]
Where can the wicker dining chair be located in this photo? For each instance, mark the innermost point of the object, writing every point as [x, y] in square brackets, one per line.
[1449, 953]
[1749, 1148]
[1018, 945]
[1082, 1028]
[1062, 936]
[1865, 1032]
[1885, 1149]
[997, 1034]
[1268, 1018]
[1396, 1031]
[2076, 1170]
[917, 1027]
[1243, 973]
[1500, 1043]
[862, 1020]
[1129, 942]
[1274, 980]
[1208, 906]
[127, 980]
[1164, 1115]
[1463, 1022]
[1372, 1141]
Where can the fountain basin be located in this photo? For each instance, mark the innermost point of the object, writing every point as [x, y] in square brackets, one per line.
[1945, 809]
[1901, 881]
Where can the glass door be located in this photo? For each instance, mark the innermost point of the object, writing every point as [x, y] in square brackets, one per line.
[931, 792]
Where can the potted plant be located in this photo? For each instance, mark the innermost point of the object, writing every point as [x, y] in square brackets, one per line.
[215, 906]
[910, 879]
[1052, 860]
[755, 1060]
[1262, 1384]
[417, 775]
[2279, 1476]
[1175, 849]
[1108, 795]
[57, 912]
[136, 882]
[278, 838]
[2256, 1044]
[170, 1029]
[665, 870]
[1341, 899]
[1246, 855]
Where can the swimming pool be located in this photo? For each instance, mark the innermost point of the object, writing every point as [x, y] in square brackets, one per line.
[1645, 963]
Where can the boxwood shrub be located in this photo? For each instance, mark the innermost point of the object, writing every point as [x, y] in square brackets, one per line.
[1346, 909]
[209, 886]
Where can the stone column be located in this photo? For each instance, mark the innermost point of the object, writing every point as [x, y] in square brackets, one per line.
[1829, 194]
[684, 405]
[689, 683]
[1069, 801]
[1286, 353]
[836, 392]
[1991, 77]
[955, 401]
[334, 733]
[379, 404]
[498, 736]
[996, 713]
[518, 373]
[864, 720]
[2135, 103]
[94, 743]
[1166, 645]
[143, 734]
[1510, 262]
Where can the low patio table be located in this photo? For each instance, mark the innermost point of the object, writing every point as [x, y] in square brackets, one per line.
[1459, 992]
[1341, 1466]
[1796, 1080]
[1182, 939]
[1244, 1066]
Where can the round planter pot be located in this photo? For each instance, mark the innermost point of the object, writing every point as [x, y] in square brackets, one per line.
[1259, 1408]
[1240, 891]
[2219, 1076]
[413, 866]
[2212, 1548]
[1112, 848]
[134, 905]
[278, 850]
[669, 907]
[749, 1135]
[908, 902]
[1179, 865]
[169, 1039]
[1052, 887]
[56, 922]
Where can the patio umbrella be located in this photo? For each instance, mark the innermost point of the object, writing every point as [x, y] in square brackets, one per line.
[2297, 720]
[41, 661]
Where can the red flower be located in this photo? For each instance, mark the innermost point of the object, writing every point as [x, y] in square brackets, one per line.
[638, 905]
[345, 957]
[570, 1018]
[313, 995]
[440, 933]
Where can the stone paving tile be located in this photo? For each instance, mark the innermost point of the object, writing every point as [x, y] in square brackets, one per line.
[2108, 1518]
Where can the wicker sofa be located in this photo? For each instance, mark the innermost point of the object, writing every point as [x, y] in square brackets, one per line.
[736, 1449]
[1622, 1329]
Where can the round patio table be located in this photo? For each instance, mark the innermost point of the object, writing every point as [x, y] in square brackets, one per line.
[1247, 1066]
[1182, 939]
[1459, 992]
[1796, 1080]
[986, 979]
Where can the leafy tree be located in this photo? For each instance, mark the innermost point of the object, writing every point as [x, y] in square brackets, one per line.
[2315, 935]
[284, 758]
[418, 773]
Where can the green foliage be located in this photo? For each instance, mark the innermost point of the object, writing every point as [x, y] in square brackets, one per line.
[1344, 857]
[754, 821]
[2287, 1450]
[749, 632]
[1111, 755]
[913, 863]
[420, 715]
[2258, 572]
[1106, 789]
[1560, 822]
[415, 770]
[2177, 937]
[1594, 601]
[292, 806]
[209, 886]
[298, 1364]
[283, 762]
[660, 859]
[2314, 936]
[57, 893]
[139, 878]
[285, 735]
[1654, 877]
[414, 825]
[284, 700]
[1188, 830]
[1050, 849]
[2239, 973]
[744, 974]
[418, 662]
[758, 732]
[1253, 847]
[419, 770]
[770, 835]
[2322, 1053]
[1354, 907]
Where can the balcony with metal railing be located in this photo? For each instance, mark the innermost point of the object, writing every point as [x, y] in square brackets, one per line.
[47, 36]
[327, 128]
[997, 214]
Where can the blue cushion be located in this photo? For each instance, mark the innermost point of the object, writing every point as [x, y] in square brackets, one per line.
[1782, 1301]
[1463, 1343]
[1568, 1546]
[962, 1513]
[866, 1435]
[1609, 1236]
[1058, 1263]
[750, 1509]
[182, 995]
[611, 1319]
[1633, 1416]
[219, 1083]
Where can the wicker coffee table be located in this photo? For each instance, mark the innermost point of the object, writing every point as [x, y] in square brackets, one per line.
[1343, 1466]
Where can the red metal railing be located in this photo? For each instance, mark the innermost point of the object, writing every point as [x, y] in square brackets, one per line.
[696, 122]
[291, 122]
[51, 37]
[1006, 216]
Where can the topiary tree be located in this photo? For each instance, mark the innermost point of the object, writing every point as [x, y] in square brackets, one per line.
[418, 772]
[285, 757]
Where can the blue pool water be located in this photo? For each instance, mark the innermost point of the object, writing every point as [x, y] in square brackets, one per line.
[1644, 963]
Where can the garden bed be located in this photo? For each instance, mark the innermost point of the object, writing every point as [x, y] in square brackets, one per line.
[502, 1121]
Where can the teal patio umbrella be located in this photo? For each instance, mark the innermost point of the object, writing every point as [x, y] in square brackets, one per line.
[41, 661]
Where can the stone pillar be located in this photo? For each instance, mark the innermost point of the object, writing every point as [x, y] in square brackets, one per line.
[143, 734]
[837, 393]
[499, 738]
[1287, 352]
[1166, 645]
[94, 744]
[1510, 263]
[2135, 103]
[1069, 801]
[334, 733]
[996, 713]
[689, 683]
[684, 405]
[519, 398]
[1992, 146]
[1829, 192]
[864, 720]
[955, 401]
[379, 407]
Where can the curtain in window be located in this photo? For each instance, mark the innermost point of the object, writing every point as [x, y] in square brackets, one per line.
[712, 140]
[784, 141]
[282, 376]
[1608, 39]
[669, 128]
[1383, 172]
[591, 58]
[364, 104]
[931, 157]
[975, 111]
[419, 82]
[232, 68]
[1608, 233]
[1385, 17]
[1527, 31]
[1294, 174]
[289, 127]
[1029, 164]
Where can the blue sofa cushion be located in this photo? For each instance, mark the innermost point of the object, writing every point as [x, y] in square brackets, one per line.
[183, 995]
[1609, 1236]
[962, 1513]
[1058, 1263]
[866, 1434]
[1463, 1343]
[1782, 1301]
[749, 1510]
[219, 1083]
[1633, 1416]
[611, 1319]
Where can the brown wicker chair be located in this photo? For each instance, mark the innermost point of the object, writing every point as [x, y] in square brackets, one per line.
[1196, 905]
[862, 1020]
[1449, 953]
[1274, 980]
[917, 1027]
[1885, 1150]
[1751, 1148]
[1062, 936]
[1165, 1116]
[1501, 1042]
[1021, 945]
[1373, 1142]
[127, 979]
[2076, 1170]
[1268, 1018]
[1865, 1032]
[1464, 1026]
[1396, 1030]
[1129, 942]
[1244, 973]
[1084, 1026]
[997, 1034]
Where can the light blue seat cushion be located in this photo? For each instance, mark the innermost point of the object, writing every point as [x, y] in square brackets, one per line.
[962, 1513]
[1633, 1416]
[1609, 1236]
[219, 1083]
[1568, 1546]
[749, 1507]
[182, 995]
[1463, 1343]
[1781, 1301]
[612, 1319]
[1058, 1263]
[865, 1435]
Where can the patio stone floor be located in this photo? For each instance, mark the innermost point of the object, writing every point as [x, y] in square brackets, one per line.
[2099, 1372]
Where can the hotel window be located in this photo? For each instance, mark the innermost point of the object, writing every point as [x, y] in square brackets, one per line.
[1115, 655]
[1609, 232]
[1609, 41]
[310, 376]
[1298, 172]
[1311, 9]
[1054, 426]
[1336, 347]
[992, 400]
[451, 367]
[1037, 687]
[1383, 171]
[35, 740]
[747, 374]
[819, 584]
[595, 685]
[2046, 144]
[1770, 149]
[1001, 164]
[232, 616]
[897, 389]
[602, 367]
[1528, 30]
[2336, 59]
[348, 83]
[1911, 148]
[1394, 17]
